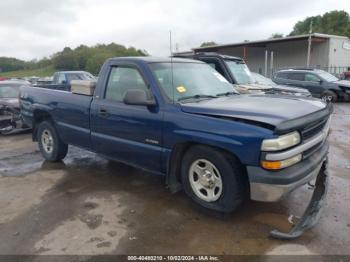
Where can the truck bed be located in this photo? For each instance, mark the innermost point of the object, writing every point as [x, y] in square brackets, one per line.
[60, 87]
[70, 112]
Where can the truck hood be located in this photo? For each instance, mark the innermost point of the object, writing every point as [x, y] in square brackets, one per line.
[271, 110]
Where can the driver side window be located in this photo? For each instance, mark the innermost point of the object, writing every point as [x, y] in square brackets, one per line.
[312, 78]
[122, 79]
[61, 79]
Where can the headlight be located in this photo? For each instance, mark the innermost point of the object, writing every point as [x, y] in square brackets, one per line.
[281, 142]
[276, 165]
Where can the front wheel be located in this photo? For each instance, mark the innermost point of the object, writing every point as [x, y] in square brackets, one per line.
[329, 96]
[213, 179]
[51, 146]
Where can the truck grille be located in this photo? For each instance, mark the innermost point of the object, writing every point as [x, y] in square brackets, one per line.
[313, 130]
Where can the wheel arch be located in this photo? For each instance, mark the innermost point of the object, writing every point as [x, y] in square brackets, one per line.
[173, 175]
[39, 115]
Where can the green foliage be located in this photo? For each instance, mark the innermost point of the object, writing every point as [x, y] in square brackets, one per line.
[276, 35]
[211, 43]
[334, 23]
[91, 58]
[41, 72]
[65, 60]
[95, 62]
[11, 64]
[81, 58]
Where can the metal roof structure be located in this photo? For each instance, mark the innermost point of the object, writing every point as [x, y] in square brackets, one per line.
[316, 37]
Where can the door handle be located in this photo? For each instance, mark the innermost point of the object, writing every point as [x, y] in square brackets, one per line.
[103, 113]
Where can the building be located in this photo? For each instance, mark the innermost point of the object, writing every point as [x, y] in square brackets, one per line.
[328, 52]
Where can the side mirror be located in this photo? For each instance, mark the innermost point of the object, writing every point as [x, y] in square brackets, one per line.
[139, 97]
[321, 81]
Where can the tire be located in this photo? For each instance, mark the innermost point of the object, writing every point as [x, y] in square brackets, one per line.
[347, 98]
[329, 96]
[221, 178]
[51, 146]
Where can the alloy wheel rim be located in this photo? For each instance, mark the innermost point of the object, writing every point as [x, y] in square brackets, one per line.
[47, 141]
[205, 180]
[327, 98]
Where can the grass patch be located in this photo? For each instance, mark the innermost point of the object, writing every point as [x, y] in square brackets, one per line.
[42, 72]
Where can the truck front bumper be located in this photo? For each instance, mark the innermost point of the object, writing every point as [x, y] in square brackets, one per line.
[272, 186]
[314, 167]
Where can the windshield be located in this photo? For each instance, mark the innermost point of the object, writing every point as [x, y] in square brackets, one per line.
[328, 77]
[240, 72]
[260, 79]
[80, 76]
[9, 91]
[89, 76]
[194, 80]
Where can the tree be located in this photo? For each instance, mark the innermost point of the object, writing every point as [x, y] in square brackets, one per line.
[81, 58]
[334, 22]
[94, 63]
[211, 43]
[11, 64]
[276, 35]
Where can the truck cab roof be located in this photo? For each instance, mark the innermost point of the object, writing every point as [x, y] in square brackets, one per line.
[149, 59]
[208, 54]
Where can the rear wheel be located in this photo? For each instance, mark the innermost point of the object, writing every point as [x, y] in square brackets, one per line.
[51, 146]
[212, 179]
[329, 96]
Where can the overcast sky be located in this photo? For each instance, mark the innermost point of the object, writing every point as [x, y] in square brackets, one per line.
[37, 28]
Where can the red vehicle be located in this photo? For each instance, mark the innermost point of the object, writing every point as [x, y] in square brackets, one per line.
[3, 78]
[347, 75]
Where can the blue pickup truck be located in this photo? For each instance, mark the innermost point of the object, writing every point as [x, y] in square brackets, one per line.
[181, 119]
[61, 80]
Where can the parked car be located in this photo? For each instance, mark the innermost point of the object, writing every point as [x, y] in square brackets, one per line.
[61, 80]
[346, 75]
[320, 83]
[262, 80]
[179, 118]
[10, 116]
[235, 71]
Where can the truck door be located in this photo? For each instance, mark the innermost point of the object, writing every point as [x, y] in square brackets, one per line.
[313, 83]
[127, 133]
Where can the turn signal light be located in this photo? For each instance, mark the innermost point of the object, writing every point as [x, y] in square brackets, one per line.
[276, 165]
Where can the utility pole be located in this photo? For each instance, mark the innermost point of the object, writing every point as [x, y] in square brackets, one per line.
[266, 58]
[309, 47]
[271, 64]
[171, 43]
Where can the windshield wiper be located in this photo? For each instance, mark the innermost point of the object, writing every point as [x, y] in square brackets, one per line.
[195, 97]
[227, 94]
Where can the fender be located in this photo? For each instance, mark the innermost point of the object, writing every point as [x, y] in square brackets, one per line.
[188, 138]
[40, 112]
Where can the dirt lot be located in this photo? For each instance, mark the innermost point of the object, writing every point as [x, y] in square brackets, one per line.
[88, 205]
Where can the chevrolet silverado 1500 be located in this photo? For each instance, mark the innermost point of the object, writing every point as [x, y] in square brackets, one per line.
[179, 118]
